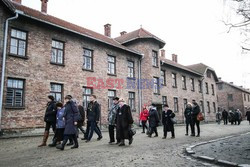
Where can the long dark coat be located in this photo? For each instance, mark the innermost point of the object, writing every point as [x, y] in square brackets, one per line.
[71, 116]
[166, 119]
[123, 120]
[196, 110]
[82, 116]
[248, 115]
[50, 113]
[153, 118]
[93, 111]
[188, 115]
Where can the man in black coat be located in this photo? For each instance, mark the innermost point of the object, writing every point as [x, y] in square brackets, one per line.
[93, 117]
[168, 124]
[188, 116]
[194, 121]
[49, 119]
[225, 116]
[248, 115]
[153, 120]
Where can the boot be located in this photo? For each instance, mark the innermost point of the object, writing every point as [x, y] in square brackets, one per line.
[70, 142]
[75, 143]
[121, 143]
[61, 146]
[45, 138]
[131, 140]
[53, 144]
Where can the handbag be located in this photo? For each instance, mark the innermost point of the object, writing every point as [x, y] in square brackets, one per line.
[200, 117]
[132, 132]
[173, 120]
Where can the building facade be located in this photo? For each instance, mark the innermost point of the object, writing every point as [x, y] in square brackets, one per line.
[46, 55]
[232, 97]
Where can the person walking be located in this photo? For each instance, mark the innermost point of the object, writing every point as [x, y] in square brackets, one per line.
[49, 119]
[60, 124]
[248, 115]
[187, 114]
[112, 118]
[153, 120]
[71, 117]
[218, 117]
[124, 121]
[225, 116]
[194, 121]
[167, 121]
[81, 121]
[93, 116]
[143, 118]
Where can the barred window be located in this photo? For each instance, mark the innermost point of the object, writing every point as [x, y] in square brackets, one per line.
[15, 93]
[174, 81]
[176, 105]
[18, 42]
[87, 59]
[86, 95]
[131, 100]
[184, 85]
[192, 84]
[163, 77]
[56, 91]
[131, 69]
[156, 85]
[155, 59]
[57, 54]
[111, 65]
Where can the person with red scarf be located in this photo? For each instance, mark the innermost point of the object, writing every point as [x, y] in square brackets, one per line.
[143, 118]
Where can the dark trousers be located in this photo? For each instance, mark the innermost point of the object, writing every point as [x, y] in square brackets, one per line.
[193, 123]
[187, 127]
[225, 121]
[81, 129]
[144, 125]
[112, 133]
[50, 124]
[153, 130]
[93, 127]
[165, 130]
[71, 138]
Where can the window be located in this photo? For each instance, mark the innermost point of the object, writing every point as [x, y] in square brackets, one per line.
[220, 86]
[230, 97]
[18, 42]
[200, 86]
[86, 94]
[245, 99]
[163, 77]
[164, 100]
[185, 103]
[56, 91]
[174, 81]
[184, 84]
[207, 92]
[156, 86]
[131, 100]
[57, 52]
[192, 84]
[15, 93]
[87, 59]
[111, 65]
[201, 106]
[208, 107]
[212, 89]
[209, 74]
[214, 106]
[176, 106]
[131, 69]
[155, 59]
[248, 97]
[111, 95]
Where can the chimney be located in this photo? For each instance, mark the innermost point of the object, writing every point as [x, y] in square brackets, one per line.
[163, 53]
[241, 86]
[231, 83]
[107, 30]
[123, 33]
[174, 58]
[44, 6]
[17, 1]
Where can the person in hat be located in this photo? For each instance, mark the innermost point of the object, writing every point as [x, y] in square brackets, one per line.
[124, 121]
[153, 120]
[49, 119]
[168, 124]
[111, 119]
[60, 124]
[71, 117]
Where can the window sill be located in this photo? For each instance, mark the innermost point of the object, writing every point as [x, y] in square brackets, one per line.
[14, 108]
[131, 78]
[155, 66]
[21, 57]
[63, 65]
[87, 70]
[112, 74]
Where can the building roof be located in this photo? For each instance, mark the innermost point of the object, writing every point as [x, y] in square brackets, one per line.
[234, 86]
[62, 24]
[179, 66]
[138, 34]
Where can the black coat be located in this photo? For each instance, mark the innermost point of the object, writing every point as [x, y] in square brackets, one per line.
[123, 121]
[224, 114]
[50, 113]
[82, 116]
[153, 118]
[166, 119]
[71, 116]
[248, 115]
[196, 110]
[93, 111]
[188, 115]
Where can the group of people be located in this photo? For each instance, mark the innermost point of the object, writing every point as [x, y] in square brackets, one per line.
[150, 114]
[234, 117]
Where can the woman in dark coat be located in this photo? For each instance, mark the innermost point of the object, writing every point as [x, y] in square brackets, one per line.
[194, 121]
[187, 114]
[124, 121]
[168, 125]
[71, 117]
[248, 115]
[153, 120]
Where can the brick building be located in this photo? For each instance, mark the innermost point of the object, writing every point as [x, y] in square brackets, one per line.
[46, 55]
[232, 97]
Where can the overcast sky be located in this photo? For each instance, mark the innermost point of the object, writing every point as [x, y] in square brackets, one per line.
[192, 29]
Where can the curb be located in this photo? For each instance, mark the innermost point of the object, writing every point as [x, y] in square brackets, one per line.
[189, 150]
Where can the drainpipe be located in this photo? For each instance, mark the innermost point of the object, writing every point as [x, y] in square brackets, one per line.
[139, 86]
[203, 98]
[4, 62]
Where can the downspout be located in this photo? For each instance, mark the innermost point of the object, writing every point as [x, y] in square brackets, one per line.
[4, 62]
[203, 98]
[139, 86]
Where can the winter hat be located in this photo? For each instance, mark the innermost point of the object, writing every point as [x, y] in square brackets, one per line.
[59, 104]
[116, 98]
[68, 97]
[121, 100]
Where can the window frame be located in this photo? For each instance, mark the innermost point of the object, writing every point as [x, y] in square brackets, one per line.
[164, 101]
[50, 92]
[207, 89]
[63, 52]
[174, 80]
[133, 108]
[200, 86]
[109, 62]
[157, 84]
[164, 77]
[202, 106]
[110, 98]
[155, 58]
[184, 82]
[214, 106]
[89, 57]
[213, 91]
[192, 84]
[18, 39]
[185, 103]
[208, 107]
[129, 68]
[176, 105]
[87, 95]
